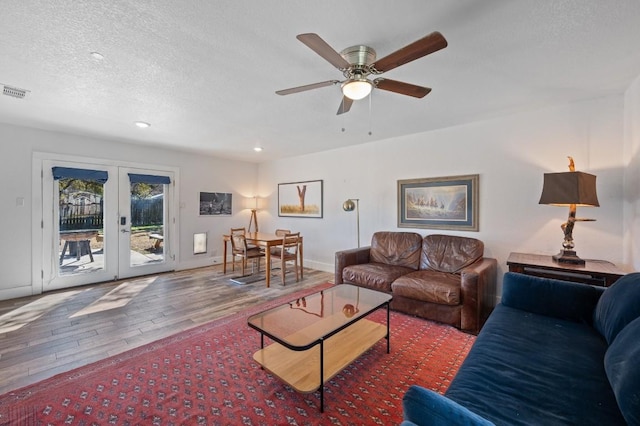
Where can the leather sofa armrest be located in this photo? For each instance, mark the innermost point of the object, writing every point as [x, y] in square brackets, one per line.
[478, 282]
[350, 257]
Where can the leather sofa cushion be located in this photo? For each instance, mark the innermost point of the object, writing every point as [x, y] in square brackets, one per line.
[376, 276]
[396, 248]
[448, 253]
[429, 286]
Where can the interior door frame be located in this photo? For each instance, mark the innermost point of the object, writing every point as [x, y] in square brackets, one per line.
[38, 235]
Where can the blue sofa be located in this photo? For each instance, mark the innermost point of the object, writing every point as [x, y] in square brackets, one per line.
[552, 352]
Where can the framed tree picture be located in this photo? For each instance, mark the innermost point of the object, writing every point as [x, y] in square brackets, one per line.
[439, 203]
[300, 199]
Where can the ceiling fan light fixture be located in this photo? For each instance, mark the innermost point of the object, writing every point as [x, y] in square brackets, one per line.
[357, 88]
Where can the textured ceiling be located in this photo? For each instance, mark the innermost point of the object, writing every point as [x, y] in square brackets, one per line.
[204, 73]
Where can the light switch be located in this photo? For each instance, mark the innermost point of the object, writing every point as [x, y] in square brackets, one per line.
[20, 202]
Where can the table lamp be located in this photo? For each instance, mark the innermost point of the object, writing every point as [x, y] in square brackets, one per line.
[569, 189]
[350, 205]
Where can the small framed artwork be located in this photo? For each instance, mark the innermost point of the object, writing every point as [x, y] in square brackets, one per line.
[215, 204]
[439, 203]
[300, 199]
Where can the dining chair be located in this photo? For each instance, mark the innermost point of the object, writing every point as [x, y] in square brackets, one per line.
[275, 251]
[242, 231]
[288, 253]
[240, 248]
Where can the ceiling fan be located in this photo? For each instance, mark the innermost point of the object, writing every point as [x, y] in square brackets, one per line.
[357, 63]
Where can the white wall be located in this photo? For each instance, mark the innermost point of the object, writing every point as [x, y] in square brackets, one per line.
[510, 154]
[632, 175]
[196, 173]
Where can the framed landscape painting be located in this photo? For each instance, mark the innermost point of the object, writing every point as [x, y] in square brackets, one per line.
[300, 199]
[439, 203]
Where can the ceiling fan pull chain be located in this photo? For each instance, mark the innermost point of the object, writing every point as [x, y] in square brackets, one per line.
[370, 103]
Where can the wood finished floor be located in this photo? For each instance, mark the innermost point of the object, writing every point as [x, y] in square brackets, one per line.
[58, 331]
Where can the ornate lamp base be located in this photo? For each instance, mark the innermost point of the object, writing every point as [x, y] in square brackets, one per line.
[568, 256]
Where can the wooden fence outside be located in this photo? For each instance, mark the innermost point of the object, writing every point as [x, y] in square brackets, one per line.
[144, 212]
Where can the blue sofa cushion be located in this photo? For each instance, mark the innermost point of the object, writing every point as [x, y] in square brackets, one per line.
[618, 306]
[424, 407]
[550, 297]
[622, 364]
[526, 369]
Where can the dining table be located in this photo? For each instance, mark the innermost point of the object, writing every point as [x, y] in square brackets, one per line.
[263, 240]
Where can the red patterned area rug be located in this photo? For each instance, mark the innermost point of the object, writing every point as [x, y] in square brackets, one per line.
[207, 376]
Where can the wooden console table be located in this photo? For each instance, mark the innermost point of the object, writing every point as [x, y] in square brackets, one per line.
[594, 272]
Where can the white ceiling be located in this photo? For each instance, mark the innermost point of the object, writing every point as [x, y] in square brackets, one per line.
[204, 73]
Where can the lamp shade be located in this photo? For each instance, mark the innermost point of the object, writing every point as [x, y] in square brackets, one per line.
[252, 203]
[563, 189]
[349, 205]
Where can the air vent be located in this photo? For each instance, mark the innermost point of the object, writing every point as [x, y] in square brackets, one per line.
[14, 92]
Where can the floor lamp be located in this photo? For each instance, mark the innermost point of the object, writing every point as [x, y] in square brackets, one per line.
[253, 202]
[350, 205]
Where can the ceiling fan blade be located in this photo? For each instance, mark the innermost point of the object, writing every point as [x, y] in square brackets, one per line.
[307, 87]
[401, 88]
[345, 105]
[426, 45]
[318, 45]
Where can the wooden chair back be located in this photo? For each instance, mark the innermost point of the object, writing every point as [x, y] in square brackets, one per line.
[238, 241]
[289, 253]
[290, 245]
[240, 248]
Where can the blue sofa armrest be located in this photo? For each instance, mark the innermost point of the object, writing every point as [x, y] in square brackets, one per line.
[550, 297]
[423, 407]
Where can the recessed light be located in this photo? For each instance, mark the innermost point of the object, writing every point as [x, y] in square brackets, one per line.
[142, 124]
[257, 149]
[97, 56]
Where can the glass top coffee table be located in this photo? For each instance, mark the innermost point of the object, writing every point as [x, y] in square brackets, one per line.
[317, 336]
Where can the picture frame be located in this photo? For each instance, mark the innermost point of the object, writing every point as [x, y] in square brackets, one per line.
[216, 204]
[300, 199]
[449, 202]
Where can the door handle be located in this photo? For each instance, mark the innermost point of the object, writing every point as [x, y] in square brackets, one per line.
[124, 231]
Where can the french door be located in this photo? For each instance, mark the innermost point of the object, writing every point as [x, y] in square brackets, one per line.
[104, 222]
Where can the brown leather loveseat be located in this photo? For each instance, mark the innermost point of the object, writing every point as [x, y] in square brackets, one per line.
[439, 277]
